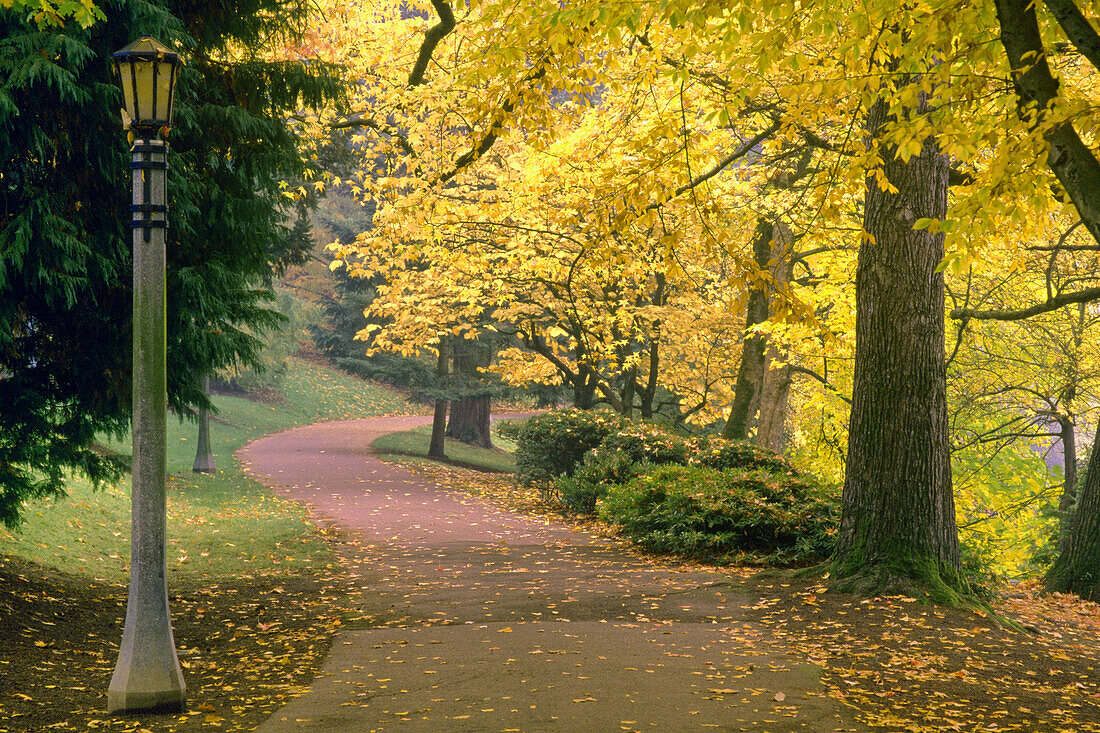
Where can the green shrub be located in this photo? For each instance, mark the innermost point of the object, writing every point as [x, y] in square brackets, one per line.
[648, 442]
[776, 517]
[554, 443]
[597, 473]
[721, 454]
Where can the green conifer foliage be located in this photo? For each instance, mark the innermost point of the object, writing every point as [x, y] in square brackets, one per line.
[65, 260]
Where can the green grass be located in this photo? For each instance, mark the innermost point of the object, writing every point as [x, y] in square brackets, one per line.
[415, 443]
[219, 525]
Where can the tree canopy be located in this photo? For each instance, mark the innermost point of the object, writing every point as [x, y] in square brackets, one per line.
[590, 177]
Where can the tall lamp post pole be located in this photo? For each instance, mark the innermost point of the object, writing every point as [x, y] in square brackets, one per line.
[147, 676]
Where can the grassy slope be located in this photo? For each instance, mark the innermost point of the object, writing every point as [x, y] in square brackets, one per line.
[415, 443]
[219, 525]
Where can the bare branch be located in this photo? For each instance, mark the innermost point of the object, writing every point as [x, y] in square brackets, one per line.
[432, 38]
[721, 165]
[1063, 299]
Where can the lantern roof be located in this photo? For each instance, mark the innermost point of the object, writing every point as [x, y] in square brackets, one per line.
[146, 48]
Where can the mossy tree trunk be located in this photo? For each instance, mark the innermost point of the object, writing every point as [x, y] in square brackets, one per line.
[1077, 567]
[898, 527]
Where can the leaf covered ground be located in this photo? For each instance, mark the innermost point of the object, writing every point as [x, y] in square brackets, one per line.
[904, 666]
[250, 644]
[245, 646]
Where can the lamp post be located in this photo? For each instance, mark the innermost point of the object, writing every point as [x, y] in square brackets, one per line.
[147, 676]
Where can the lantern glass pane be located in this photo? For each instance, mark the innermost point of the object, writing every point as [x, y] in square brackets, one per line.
[143, 73]
[163, 94]
[126, 81]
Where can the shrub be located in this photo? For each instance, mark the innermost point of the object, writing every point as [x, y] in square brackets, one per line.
[554, 443]
[597, 473]
[721, 454]
[647, 442]
[724, 516]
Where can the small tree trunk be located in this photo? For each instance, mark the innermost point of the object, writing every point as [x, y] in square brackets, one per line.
[630, 383]
[1077, 567]
[897, 530]
[204, 456]
[750, 373]
[773, 398]
[439, 420]
[1069, 479]
[759, 407]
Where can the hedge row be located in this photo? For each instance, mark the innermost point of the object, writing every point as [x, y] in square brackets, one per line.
[707, 498]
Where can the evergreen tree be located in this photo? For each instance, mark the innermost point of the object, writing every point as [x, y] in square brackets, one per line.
[65, 261]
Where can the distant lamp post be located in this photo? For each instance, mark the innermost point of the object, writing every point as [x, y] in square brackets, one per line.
[147, 677]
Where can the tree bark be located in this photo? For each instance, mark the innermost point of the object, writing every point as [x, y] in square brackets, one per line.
[469, 420]
[750, 373]
[1069, 478]
[439, 420]
[759, 409]
[1077, 567]
[771, 403]
[898, 529]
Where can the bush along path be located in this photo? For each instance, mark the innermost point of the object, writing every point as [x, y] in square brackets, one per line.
[472, 617]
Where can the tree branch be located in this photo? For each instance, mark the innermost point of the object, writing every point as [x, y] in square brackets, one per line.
[1069, 158]
[432, 38]
[1077, 28]
[721, 165]
[1058, 301]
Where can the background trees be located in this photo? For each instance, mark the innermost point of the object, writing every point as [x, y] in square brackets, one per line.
[580, 200]
[660, 207]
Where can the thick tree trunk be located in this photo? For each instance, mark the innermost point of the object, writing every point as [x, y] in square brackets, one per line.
[1077, 568]
[439, 420]
[898, 527]
[469, 420]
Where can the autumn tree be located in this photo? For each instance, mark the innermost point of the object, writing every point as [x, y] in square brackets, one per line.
[1045, 107]
[671, 141]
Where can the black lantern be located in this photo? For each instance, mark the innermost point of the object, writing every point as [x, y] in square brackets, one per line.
[147, 73]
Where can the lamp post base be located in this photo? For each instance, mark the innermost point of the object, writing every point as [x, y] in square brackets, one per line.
[128, 702]
[147, 677]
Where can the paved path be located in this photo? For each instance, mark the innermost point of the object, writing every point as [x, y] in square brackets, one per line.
[486, 620]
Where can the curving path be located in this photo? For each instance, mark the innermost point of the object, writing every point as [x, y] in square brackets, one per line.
[486, 620]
